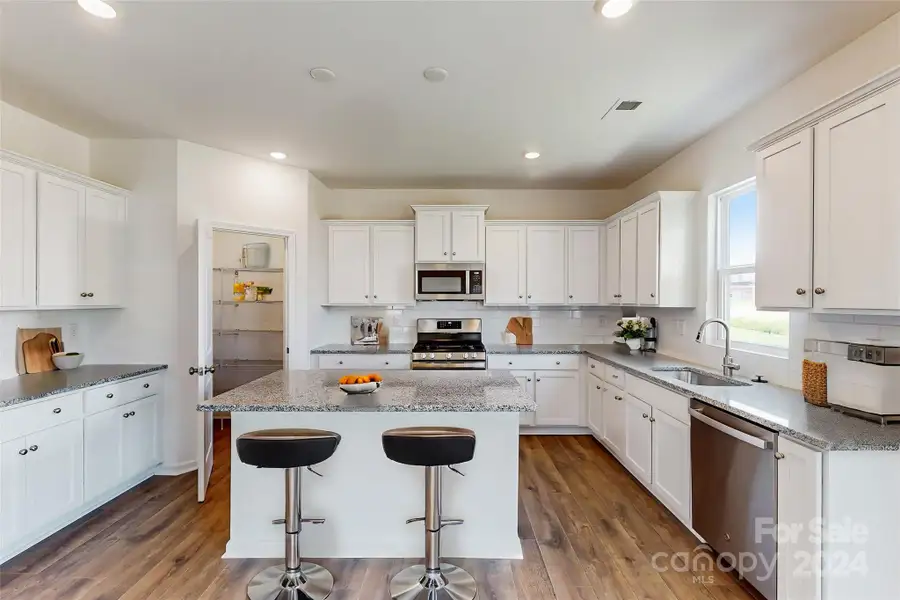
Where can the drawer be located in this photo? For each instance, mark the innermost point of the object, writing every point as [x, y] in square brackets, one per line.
[135, 389]
[350, 362]
[39, 414]
[614, 376]
[97, 399]
[535, 362]
[674, 405]
[596, 368]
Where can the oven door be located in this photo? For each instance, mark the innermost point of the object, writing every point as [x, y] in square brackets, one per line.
[444, 282]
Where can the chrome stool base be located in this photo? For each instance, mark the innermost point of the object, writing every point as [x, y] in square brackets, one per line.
[450, 583]
[311, 582]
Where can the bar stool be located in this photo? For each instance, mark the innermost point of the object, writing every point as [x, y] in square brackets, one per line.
[289, 449]
[432, 448]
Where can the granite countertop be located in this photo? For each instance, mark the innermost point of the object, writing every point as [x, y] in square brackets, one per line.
[351, 349]
[535, 349]
[781, 409]
[403, 391]
[40, 385]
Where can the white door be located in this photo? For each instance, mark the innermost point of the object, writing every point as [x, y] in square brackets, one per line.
[595, 404]
[14, 509]
[612, 285]
[558, 398]
[104, 247]
[60, 210]
[504, 266]
[18, 235]
[433, 236]
[526, 380]
[784, 219]
[799, 504]
[583, 277]
[139, 448]
[348, 264]
[614, 420]
[54, 473]
[648, 254]
[672, 464]
[628, 260]
[638, 438]
[393, 265]
[546, 264]
[857, 206]
[103, 439]
[204, 238]
[467, 236]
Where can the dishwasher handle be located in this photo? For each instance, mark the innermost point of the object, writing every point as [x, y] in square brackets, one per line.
[730, 431]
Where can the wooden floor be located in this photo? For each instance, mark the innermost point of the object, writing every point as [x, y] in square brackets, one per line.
[589, 532]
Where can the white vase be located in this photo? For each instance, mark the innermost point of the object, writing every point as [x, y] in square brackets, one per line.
[634, 343]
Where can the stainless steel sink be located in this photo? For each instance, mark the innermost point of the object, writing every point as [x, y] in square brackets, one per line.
[698, 377]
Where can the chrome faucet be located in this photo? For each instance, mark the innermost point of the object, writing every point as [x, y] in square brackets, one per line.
[728, 364]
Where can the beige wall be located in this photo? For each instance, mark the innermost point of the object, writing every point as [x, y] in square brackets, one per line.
[32, 136]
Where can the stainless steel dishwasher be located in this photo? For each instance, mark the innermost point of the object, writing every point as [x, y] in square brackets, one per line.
[733, 481]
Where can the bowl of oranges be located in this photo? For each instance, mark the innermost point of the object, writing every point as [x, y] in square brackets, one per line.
[360, 384]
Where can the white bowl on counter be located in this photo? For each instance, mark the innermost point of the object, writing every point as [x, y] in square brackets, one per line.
[361, 388]
[67, 360]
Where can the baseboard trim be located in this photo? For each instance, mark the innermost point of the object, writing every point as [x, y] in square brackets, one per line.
[176, 469]
[569, 430]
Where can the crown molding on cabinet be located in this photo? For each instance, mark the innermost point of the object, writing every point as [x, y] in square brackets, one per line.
[875, 86]
[37, 165]
[427, 207]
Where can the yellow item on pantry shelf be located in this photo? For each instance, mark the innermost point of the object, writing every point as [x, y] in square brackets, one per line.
[238, 291]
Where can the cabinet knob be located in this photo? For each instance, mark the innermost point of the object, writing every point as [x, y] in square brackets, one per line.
[454, 254]
[367, 295]
[571, 296]
[520, 296]
[615, 376]
[56, 411]
[801, 291]
[375, 297]
[131, 413]
[529, 296]
[538, 379]
[557, 362]
[33, 448]
[646, 416]
[598, 387]
[340, 362]
[510, 362]
[83, 295]
[126, 415]
[618, 397]
[779, 455]
[146, 385]
[387, 362]
[23, 451]
[593, 366]
[90, 294]
[819, 291]
[445, 254]
[528, 379]
[652, 420]
[653, 295]
[110, 395]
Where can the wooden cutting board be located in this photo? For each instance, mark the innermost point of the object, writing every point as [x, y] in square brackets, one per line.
[522, 328]
[34, 354]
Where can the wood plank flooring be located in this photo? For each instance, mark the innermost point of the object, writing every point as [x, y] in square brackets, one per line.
[589, 532]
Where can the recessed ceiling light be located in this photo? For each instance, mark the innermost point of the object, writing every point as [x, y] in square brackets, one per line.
[278, 155]
[322, 75]
[532, 155]
[435, 74]
[98, 8]
[613, 9]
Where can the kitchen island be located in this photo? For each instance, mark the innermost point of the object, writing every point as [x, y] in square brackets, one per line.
[365, 498]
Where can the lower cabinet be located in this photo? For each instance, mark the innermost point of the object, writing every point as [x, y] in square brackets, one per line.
[558, 398]
[595, 404]
[672, 464]
[638, 438]
[526, 380]
[614, 420]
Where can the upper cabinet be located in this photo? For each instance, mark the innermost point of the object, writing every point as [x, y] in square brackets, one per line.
[371, 264]
[18, 235]
[546, 271]
[613, 242]
[450, 234]
[393, 265]
[504, 267]
[628, 259]
[583, 272]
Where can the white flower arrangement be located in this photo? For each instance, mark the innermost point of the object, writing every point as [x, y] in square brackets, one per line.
[633, 329]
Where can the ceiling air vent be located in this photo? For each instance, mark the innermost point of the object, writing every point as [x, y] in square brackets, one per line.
[628, 105]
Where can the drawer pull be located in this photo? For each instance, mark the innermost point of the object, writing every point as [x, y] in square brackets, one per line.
[340, 362]
[110, 395]
[593, 366]
[23, 451]
[598, 387]
[387, 362]
[618, 397]
[615, 376]
[56, 411]
[557, 362]
[33, 448]
[146, 385]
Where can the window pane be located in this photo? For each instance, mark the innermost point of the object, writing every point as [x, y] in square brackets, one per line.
[742, 229]
[749, 325]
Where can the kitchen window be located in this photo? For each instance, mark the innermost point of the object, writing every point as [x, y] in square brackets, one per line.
[766, 332]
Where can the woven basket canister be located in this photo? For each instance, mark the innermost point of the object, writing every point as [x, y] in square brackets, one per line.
[815, 382]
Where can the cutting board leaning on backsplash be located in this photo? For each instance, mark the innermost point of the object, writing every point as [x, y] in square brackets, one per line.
[523, 329]
[33, 352]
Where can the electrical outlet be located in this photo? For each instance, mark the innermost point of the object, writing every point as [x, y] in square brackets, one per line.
[601, 322]
[72, 332]
[679, 326]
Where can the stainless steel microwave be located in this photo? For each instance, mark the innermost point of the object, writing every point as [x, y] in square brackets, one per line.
[450, 281]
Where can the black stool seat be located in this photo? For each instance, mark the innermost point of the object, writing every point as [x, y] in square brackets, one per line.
[286, 448]
[429, 446]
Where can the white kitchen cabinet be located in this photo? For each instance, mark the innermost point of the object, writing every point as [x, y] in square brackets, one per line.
[393, 265]
[546, 264]
[671, 465]
[14, 513]
[614, 420]
[558, 398]
[628, 259]
[612, 288]
[60, 249]
[799, 505]
[450, 234]
[648, 254]
[104, 247]
[140, 450]
[784, 187]
[526, 380]
[638, 439]
[505, 264]
[595, 404]
[433, 235]
[857, 206]
[103, 441]
[18, 235]
[583, 262]
[349, 259]
[364, 362]
[467, 236]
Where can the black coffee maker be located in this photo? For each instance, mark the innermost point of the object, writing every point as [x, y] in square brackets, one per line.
[651, 342]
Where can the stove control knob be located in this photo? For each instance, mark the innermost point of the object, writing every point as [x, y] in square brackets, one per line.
[432, 355]
[449, 355]
[466, 355]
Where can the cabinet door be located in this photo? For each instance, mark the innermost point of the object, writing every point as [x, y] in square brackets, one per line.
[583, 277]
[595, 404]
[433, 236]
[546, 270]
[60, 209]
[14, 508]
[638, 438]
[467, 236]
[104, 247]
[54, 473]
[857, 206]
[526, 380]
[628, 260]
[103, 439]
[348, 264]
[558, 398]
[504, 265]
[784, 219]
[140, 444]
[612, 285]
[613, 420]
[393, 264]
[799, 504]
[18, 235]
[648, 254]
[672, 464]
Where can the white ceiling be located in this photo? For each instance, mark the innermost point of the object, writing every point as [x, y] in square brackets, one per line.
[523, 76]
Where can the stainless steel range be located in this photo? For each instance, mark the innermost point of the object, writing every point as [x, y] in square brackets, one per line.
[448, 344]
